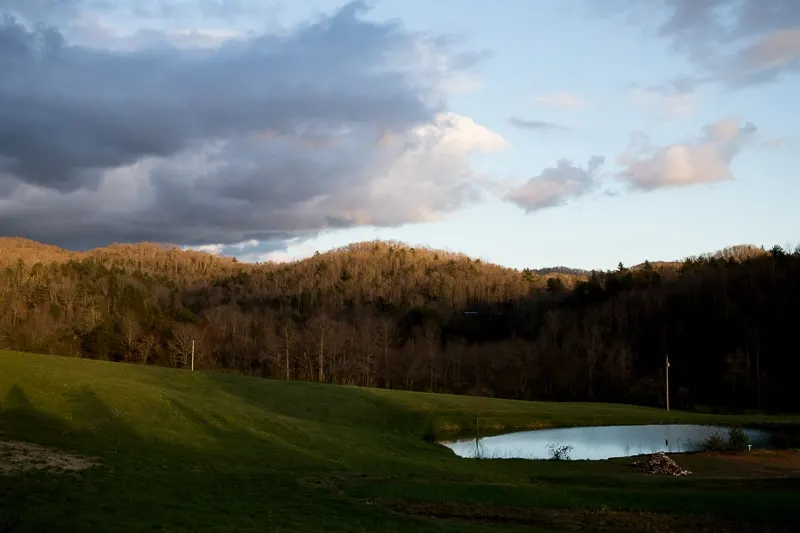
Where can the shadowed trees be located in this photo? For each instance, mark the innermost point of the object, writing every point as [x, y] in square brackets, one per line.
[386, 315]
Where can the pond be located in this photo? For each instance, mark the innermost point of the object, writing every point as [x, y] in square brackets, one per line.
[601, 442]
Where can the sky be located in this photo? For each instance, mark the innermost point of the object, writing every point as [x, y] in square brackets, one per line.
[529, 133]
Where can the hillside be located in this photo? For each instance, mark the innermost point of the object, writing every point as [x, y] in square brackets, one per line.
[382, 314]
[173, 450]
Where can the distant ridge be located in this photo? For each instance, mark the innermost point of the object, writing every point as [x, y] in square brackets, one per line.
[14, 248]
[561, 270]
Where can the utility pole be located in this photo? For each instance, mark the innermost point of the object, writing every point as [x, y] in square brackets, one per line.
[667, 359]
[193, 357]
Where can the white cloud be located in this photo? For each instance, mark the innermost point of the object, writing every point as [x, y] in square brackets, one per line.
[555, 185]
[707, 159]
[222, 249]
[295, 250]
[561, 101]
[214, 249]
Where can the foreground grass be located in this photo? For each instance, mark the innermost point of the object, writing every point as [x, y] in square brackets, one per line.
[185, 451]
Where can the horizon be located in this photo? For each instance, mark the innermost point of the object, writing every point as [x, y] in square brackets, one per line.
[526, 134]
[344, 249]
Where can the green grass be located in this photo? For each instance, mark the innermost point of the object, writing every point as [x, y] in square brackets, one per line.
[186, 451]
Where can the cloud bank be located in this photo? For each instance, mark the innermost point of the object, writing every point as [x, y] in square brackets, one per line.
[336, 123]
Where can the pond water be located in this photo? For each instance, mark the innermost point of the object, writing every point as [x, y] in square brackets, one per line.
[601, 442]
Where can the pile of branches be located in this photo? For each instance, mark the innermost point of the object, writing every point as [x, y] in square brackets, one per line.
[660, 464]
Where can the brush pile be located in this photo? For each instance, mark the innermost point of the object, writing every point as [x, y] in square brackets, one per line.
[661, 465]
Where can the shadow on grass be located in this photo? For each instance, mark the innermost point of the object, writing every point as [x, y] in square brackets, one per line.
[351, 407]
[152, 484]
[378, 410]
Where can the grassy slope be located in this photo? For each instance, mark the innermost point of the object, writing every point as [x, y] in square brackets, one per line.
[208, 452]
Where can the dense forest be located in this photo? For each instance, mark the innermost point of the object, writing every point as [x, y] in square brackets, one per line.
[382, 314]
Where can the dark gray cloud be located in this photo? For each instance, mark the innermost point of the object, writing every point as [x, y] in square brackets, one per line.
[261, 137]
[67, 109]
[541, 125]
[556, 185]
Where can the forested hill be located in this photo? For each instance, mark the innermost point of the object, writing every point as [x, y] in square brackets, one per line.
[387, 315]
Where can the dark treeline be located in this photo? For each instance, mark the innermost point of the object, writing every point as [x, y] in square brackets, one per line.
[386, 315]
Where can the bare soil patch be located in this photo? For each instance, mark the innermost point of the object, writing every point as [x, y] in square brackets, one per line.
[581, 519]
[755, 464]
[16, 456]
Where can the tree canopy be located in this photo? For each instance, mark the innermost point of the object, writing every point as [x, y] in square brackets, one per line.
[385, 314]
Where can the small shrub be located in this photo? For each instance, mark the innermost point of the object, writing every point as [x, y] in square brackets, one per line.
[714, 443]
[559, 453]
[737, 439]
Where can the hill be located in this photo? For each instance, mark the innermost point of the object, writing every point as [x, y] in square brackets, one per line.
[387, 315]
[173, 450]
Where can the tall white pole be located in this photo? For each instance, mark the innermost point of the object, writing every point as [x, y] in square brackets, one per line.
[192, 355]
[667, 358]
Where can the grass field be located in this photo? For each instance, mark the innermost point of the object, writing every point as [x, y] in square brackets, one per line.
[182, 451]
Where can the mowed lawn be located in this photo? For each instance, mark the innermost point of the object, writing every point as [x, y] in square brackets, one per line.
[183, 451]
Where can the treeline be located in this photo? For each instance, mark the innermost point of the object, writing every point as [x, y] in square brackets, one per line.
[386, 315]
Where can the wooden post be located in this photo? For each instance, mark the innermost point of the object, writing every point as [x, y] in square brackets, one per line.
[477, 433]
[192, 355]
[667, 359]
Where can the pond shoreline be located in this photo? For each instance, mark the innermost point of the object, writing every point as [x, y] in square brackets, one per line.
[608, 442]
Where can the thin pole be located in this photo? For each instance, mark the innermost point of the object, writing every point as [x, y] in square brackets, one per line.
[667, 358]
[192, 355]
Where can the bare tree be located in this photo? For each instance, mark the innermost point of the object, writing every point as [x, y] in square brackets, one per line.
[318, 328]
[386, 331]
[287, 330]
[180, 346]
[144, 347]
[131, 331]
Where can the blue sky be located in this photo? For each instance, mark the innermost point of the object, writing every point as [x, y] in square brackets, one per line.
[585, 135]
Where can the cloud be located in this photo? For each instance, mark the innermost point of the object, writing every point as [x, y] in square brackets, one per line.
[541, 125]
[221, 249]
[561, 101]
[769, 57]
[556, 185]
[295, 250]
[707, 159]
[737, 42]
[214, 249]
[337, 122]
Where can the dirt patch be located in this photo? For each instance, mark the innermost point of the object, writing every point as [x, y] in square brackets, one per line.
[16, 456]
[748, 465]
[580, 519]
[774, 463]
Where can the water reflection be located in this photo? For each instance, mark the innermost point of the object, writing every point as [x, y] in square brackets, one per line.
[602, 442]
